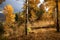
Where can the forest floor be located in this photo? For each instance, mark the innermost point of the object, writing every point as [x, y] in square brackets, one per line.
[35, 33]
[41, 23]
[43, 34]
[40, 34]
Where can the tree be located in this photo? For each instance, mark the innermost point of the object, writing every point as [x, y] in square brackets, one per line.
[1, 1]
[16, 17]
[40, 12]
[54, 4]
[1, 28]
[8, 12]
[50, 6]
[48, 0]
[10, 19]
[33, 9]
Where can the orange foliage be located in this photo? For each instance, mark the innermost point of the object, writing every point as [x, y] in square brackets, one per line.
[8, 11]
[33, 15]
[33, 8]
[59, 6]
[10, 19]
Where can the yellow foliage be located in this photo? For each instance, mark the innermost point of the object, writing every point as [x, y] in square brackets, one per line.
[34, 1]
[59, 6]
[25, 6]
[33, 15]
[31, 1]
[50, 3]
[37, 1]
[10, 18]
[33, 6]
[8, 11]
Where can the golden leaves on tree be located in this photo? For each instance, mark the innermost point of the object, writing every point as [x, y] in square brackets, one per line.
[37, 1]
[33, 15]
[8, 11]
[10, 19]
[59, 6]
[49, 8]
[33, 8]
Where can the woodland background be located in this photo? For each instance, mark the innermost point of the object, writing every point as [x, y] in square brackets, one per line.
[41, 21]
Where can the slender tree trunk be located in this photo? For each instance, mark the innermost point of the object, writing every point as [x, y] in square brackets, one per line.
[57, 16]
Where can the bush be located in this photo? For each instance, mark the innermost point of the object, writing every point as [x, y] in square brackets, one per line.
[39, 14]
[1, 28]
[16, 17]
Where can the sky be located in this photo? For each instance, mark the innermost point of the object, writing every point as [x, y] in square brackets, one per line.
[16, 4]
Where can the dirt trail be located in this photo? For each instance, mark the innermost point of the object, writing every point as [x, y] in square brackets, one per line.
[41, 24]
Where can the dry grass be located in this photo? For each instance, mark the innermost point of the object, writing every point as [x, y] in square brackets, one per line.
[47, 35]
